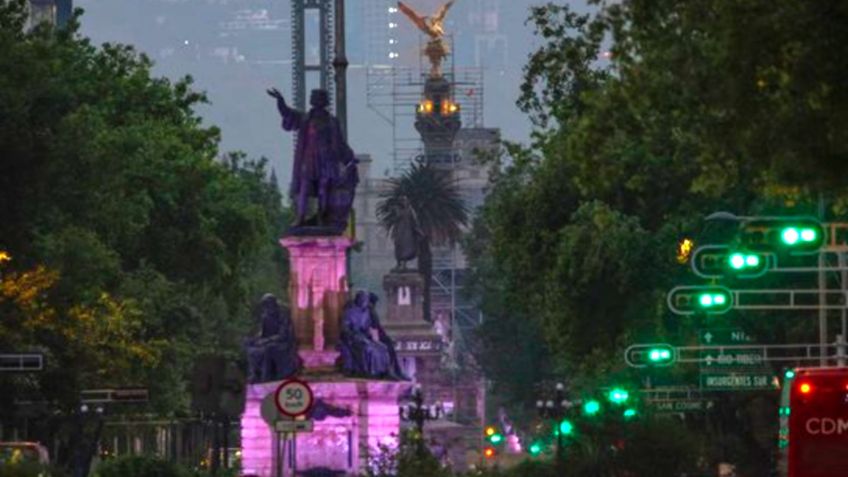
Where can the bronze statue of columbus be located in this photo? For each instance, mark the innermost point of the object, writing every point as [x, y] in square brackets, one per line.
[324, 165]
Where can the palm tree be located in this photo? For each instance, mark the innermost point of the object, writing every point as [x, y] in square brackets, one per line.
[434, 197]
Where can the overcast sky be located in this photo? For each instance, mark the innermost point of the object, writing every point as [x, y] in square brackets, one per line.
[235, 49]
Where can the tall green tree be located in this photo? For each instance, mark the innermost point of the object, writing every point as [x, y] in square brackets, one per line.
[434, 197]
[147, 246]
[648, 116]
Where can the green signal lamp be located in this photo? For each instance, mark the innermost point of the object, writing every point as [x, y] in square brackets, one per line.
[712, 299]
[659, 355]
[789, 374]
[688, 300]
[783, 234]
[630, 413]
[535, 448]
[566, 427]
[591, 407]
[496, 438]
[794, 235]
[650, 354]
[618, 396]
[742, 261]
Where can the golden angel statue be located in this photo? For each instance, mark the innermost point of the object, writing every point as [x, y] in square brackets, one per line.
[436, 49]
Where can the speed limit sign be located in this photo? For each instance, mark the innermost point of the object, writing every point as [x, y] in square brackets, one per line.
[293, 398]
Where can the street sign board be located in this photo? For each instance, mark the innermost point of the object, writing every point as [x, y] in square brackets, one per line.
[293, 398]
[294, 426]
[130, 395]
[729, 358]
[737, 380]
[22, 362]
[682, 405]
[728, 336]
[732, 358]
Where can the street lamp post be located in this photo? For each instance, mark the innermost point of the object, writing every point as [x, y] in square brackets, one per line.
[555, 409]
[85, 449]
[418, 413]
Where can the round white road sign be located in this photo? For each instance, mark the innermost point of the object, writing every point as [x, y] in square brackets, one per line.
[293, 398]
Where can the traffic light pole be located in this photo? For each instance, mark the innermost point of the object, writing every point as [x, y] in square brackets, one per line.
[822, 302]
[555, 409]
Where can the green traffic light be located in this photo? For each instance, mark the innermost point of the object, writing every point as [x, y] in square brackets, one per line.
[709, 300]
[566, 427]
[781, 235]
[590, 408]
[618, 396]
[808, 235]
[535, 448]
[496, 438]
[657, 355]
[789, 374]
[790, 236]
[630, 413]
[737, 261]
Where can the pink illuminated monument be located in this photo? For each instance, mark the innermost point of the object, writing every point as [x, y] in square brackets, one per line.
[353, 416]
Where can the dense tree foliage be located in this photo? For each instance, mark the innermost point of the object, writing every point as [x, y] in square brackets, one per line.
[135, 245]
[649, 116]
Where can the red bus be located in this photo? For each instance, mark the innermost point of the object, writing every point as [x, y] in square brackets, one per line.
[818, 422]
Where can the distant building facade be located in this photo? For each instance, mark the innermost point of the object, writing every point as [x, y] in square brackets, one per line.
[55, 12]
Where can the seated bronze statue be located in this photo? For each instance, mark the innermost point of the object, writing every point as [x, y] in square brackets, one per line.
[365, 348]
[272, 354]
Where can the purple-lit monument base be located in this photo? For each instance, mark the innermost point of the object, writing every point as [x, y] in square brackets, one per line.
[337, 443]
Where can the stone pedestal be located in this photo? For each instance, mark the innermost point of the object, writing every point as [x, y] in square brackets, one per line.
[404, 296]
[337, 443]
[318, 292]
[318, 289]
[415, 339]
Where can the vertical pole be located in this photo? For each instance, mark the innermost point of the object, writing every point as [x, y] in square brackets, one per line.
[340, 64]
[299, 54]
[293, 450]
[822, 295]
[324, 42]
[216, 447]
[840, 350]
[226, 432]
[822, 284]
[844, 282]
[280, 451]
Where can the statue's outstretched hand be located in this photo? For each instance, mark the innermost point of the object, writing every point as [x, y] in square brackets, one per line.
[281, 102]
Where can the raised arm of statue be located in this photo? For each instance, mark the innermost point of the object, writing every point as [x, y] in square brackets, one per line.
[292, 118]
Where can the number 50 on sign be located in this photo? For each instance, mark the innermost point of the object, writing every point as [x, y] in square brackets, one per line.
[293, 398]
